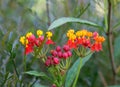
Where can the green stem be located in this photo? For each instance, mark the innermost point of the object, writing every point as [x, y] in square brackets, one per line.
[110, 42]
[24, 61]
[13, 62]
[79, 68]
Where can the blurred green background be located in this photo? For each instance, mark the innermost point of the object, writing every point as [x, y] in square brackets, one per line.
[20, 16]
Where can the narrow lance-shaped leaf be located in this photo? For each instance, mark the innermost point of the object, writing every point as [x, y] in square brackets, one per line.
[35, 73]
[64, 20]
[73, 70]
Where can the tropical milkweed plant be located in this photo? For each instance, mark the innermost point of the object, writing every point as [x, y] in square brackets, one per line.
[56, 58]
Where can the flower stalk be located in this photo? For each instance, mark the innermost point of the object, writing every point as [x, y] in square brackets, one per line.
[110, 40]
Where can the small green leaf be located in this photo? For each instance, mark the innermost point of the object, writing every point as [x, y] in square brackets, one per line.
[35, 73]
[71, 74]
[64, 20]
[114, 86]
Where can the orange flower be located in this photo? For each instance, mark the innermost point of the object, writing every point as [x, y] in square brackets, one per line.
[85, 38]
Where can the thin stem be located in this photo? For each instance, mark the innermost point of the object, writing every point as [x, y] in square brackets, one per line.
[13, 62]
[33, 82]
[66, 7]
[102, 78]
[79, 68]
[24, 61]
[84, 10]
[110, 45]
[48, 13]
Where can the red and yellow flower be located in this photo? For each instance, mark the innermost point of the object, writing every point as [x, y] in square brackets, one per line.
[30, 41]
[49, 40]
[86, 39]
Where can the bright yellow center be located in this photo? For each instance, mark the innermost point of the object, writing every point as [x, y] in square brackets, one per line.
[39, 32]
[23, 40]
[49, 34]
[28, 34]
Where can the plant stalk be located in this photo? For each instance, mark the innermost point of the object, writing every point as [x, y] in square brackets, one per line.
[14, 65]
[24, 61]
[48, 13]
[110, 45]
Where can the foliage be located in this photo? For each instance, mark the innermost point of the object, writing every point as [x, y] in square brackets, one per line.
[20, 16]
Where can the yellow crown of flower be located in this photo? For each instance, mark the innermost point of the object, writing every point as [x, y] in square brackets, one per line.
[28, 34]
[49, 34]
[23, 40]
[39, 32]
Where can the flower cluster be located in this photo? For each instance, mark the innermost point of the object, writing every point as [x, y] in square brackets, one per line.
[86, 39]
[57, 54]
[30, 40]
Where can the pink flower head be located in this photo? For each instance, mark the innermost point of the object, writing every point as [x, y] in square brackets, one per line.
[69, 53]
[60, 54]
[54, 53]
[95, 34]
[65, 55]
[56, 61]
[58, 48]
[66, 48]
[48, 61]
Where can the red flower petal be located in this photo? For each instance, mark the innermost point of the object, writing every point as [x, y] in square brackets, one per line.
[86, 43]
[28, 49]
[49, 42]
[96, 47]
[72, 44]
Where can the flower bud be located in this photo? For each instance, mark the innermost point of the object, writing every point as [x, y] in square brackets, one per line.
[66, 48]
[48, 62]
[69, 53]
[58, 48]
[65, 55]
[60, 54]
[95, 34]
[49, 57]
[54, 53]
[56, 61]
[53, 85]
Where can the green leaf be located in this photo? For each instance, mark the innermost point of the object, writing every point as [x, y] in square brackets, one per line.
[71, 74]
[64, 20]
[114, 86]
[39, 85]
[35, 73]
